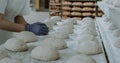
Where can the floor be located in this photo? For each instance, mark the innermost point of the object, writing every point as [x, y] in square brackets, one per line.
[36, 16]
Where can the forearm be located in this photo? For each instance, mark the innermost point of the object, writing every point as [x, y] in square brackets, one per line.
[10, 26]
[20, 20]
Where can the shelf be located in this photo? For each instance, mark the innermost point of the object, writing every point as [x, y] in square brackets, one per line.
[80, 10]
[81, 5]
[71, 4]
[54, 10]
[80, 16]
[83, 0]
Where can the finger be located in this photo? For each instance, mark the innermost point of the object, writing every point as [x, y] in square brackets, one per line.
[44, 27]
[45, 30]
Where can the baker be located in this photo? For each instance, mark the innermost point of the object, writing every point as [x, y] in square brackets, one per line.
[12, 20]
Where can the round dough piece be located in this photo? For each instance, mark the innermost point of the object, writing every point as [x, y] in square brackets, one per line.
[15, 44]
[8, 60]
[117, 43]
[88, 31]
[90, 47]
[87, 18]
[50, 23]
[55, 42]
[65, 28]
[116, 33]
[3, 54]
[59, 34]
[27, 36]
[45, 53]
[81, 59]
[86, 37]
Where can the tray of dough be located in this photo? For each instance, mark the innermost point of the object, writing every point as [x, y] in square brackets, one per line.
[65, 54]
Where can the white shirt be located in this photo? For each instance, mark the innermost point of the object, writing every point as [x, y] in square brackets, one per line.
[12, 8]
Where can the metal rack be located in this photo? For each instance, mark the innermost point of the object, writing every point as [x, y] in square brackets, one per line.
[60, 11]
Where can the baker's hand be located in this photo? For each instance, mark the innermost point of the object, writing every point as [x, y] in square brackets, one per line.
[37, 28]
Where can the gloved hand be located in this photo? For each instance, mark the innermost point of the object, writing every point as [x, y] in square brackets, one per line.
[37, 28]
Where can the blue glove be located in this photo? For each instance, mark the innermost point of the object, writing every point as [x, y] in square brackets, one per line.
[37, 28]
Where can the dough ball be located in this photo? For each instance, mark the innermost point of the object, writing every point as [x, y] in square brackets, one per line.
[15, 44]
[81, 59]
[59, 34]
[8, 60]
[49, 23]
[55, 42]
[88, 31]
[27, 36]
[86, 37]
[90, 47]
[87, 18]
[65, 28]
[71, 20]
[45, 53]
[117, 43]
[112, 27]
[3, 54]
[116, 33]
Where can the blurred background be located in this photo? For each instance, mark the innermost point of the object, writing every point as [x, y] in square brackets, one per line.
[40, 11]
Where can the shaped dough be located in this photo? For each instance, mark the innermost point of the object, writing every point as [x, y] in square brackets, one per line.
[56, 18]
[55, 42]
[50, 23]
[81, 59]
[15, 44]
[59, 34]
[90, 47]
[27, 36]
[86, 37]
[45, 53]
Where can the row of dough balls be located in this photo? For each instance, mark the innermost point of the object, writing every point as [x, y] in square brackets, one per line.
[78, 3]
[78, 8]
[52, 44]
[81, 14]
[38, 52]
[87, 41]
[54, 8]
[87, 45]
[18, 43]
[55, 1]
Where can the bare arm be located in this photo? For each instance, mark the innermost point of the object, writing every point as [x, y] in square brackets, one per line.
[20, 20]
[10, 26]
